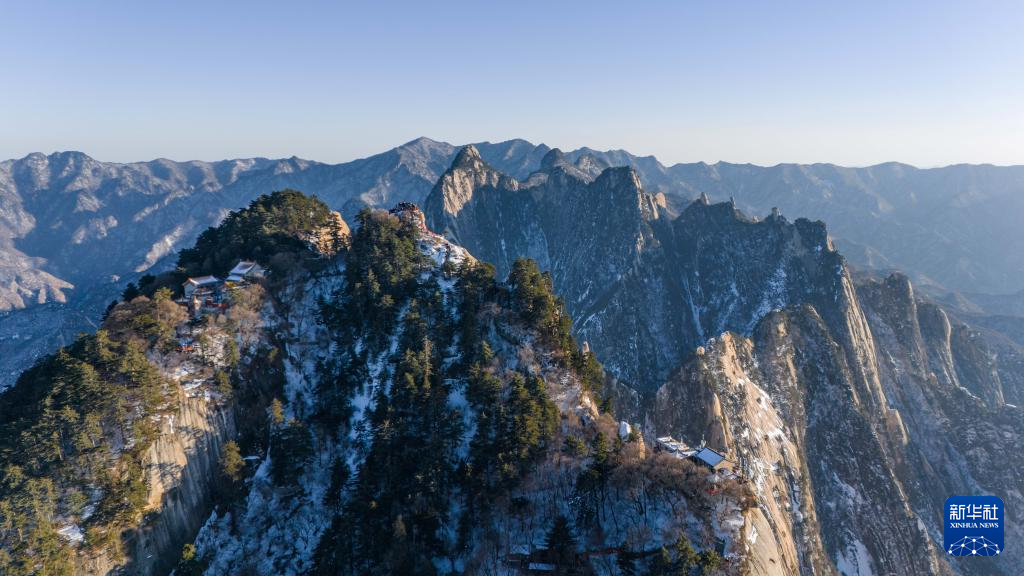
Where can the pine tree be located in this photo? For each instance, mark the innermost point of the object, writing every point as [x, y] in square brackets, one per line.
[709, 561]
[190, 564]
[686, 556]
[163, 295]
[276, 412]
[231, 353]
[131, 292]
[560, 543]
[574, 446]
[231, 463]
[224, 387]
[291, 448]
[599, 449]
[661, 564]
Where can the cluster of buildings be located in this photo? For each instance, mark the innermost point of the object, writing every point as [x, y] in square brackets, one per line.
[704, 456]
[206, 294]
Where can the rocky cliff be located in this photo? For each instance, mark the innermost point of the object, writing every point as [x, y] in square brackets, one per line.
[874, 474]
[845, 403]
[945, 381]
[182, 467]
[644, 287]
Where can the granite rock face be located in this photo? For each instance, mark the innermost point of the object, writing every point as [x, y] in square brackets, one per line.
[644, 286]
[855, 408]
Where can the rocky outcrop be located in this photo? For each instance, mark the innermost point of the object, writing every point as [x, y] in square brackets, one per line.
[643, 287]
[942, 377]
[783, 406]
[182, 467]
[309, 523]
[331, 238]
[808, 388]
[872, 476]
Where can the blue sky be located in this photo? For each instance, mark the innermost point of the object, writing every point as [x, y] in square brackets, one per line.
[855, 83]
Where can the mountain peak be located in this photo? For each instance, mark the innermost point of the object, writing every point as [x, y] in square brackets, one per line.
[421, 141]
[468, 157]
[622, 179]
[553, 158]
[458, 184]
[591, 164]
[58, 156]
[424, 147]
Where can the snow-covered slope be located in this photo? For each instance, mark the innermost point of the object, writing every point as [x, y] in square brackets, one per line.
[485, 522]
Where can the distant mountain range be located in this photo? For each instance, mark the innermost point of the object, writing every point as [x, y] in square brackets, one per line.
[74, 231]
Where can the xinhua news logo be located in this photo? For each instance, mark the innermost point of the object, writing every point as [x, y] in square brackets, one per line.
[974, 526]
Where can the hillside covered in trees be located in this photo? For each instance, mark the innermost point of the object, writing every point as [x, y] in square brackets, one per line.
[438, 420]
[78, 431]
[385, 405]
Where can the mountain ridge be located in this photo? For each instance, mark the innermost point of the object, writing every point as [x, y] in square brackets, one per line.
[723, 309]
[401, 410]
[427, 142]
[72, 243]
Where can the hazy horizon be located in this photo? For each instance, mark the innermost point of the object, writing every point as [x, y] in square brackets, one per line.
[923, 83]
[665, 162]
